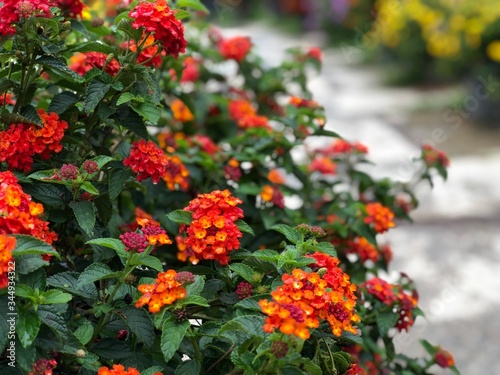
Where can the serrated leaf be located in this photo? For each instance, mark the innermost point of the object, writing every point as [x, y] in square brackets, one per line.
[385, 321]
[30, 245]
[129, 119]
[244, 227]
[111, 243]
[140, 324]
[61, 102]
[51, 317]
[246, 272]
[196, 300]
[327, 248]
[27, 327]
[54, 296]
[241, 328]
[149, 261]
[111, 349]
[95, 272]
[57, 65]
[342, 363]
[67, 281]
[102, 160]
[148, 111]
[125, 98]
[117, 179]
[89, 188]
[291, 234]
[249, 304]
[181, 14]
[31, 113]
[267, 255]
[195, 288]
[171, 337]
[191, 367]
[181, 217]
[125, 25]
[84, 333]
[26, 264]
[96, 91]
[85, 215]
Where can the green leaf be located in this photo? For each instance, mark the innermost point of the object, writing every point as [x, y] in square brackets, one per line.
[61, 102]
[149, 261]
[26, 264]
[68, 281]
[267, 255]
[342, 361]
[241, 328]
[140, 324]
[111, 243]
[27, 327]
[125, 25]
[30, 112]
[181, 217]
[191, 367]
[25, 291]
[149, 111]
[102, 160]
[152, 370]
[291, 234]
[246, 272]
[85, 215]
[58, 66]
[171, 337]
[96, 91]
[89, 188]
[193, 4]
[385, 321]
[181, 14]
[327, 248]
[195, 288]
[84, 333]
[249, 304]
[129, 119]
[52, 318]
[4, 325]
[111, 349]
[196, 300]
[116, 182]
[125, 98]
[93, 47]
[54, 296]
[95, 272]
[244, 227]
[31, 245]
[428, 347]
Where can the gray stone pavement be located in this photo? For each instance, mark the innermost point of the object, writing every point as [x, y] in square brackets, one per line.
[452, 251]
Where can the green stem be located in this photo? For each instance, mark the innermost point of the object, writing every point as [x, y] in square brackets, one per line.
[197, 352]
[231, 348]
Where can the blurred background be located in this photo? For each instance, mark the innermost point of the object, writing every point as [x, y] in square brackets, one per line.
[398, 74]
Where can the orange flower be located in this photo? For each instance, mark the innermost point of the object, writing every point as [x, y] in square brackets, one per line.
[276, 177]
[303, 103]
[18, 214]
[176, 173]
[7, 244]
[181, 111]
[81, 63]
[305, 298]
[149, 54]
[444, 359]
[363, 248]
[273, 195]
[120, 370]
[213, 233]
[165, 291]
[341, 146]
[240, 108]
[146, 160]
[434, 157]
[381, 217]
[323, 165]
[253, 121]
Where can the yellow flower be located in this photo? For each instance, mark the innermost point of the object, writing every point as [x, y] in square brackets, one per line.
[493, 50]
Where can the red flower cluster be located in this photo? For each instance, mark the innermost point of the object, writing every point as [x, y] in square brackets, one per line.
[146, 160]
[120, 370]
[157, 18]
[18, 214]
[7, 98]
[232, 170]
[363, 248]
[7, 244]
[235, 48]
[341, 146]
[306, 297]
[12, 11]
[213, 232]
[150, 54]
[205, 143]
[395, 296]
[43, 367]
[244, 290]
[165, 291]
[381, 217]
[176, 173]
[303, 103]
[190, 72]
[20, 142]
[71, 8]
[243, 112]
[434, 157]
[81, 63]
[323, 165]
[355, 370]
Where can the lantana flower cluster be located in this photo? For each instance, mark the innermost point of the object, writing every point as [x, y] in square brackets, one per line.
[168, 288]
[213, 233]
[12, 11]
[394, 296]
[433, 157]
[150, 234]
[81, 63]
[235, 48]
[18, 214]
[157, 18]
[244, 114]
[7, 245]
[380, 216]
[120, 370]
[305, 298]
[20, 142]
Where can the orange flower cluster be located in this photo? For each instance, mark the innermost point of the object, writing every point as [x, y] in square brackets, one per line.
[363, 248]
[213, 232]
[394, 295]
[165, 291]
[18, 214]
[434, 157]
[120, 370]
[176, 173]
[150, 55]
[341, 146]
[306, 297]
[20, 142]
[81, 63]
[243, 112]
[7, 244]
[274, 195]
[381, 217]
[181, 111]
[157, 17]
[303, 103]
[323, 165]
[146, 160]
[235, 48]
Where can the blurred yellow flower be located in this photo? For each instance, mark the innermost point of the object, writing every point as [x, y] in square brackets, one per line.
[493, 50]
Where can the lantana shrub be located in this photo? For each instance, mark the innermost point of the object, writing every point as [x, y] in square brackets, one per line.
[160, 213]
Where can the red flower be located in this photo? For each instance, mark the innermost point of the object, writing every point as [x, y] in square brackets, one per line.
[146, 160]
[43, 367]
[433, 157]
[157, 18]
[213, 233]
[381, 217]
[71, 8]
[355, 370]
[235, 48]
[12, 11]
[191, 72]
[7, 98]
[274, 195]
[444, 359]
[244, 290]
[363, 248]
[341, 146]
[323, 165]
[81, 63]
[303, 103]
[150, 54]
[7, 244]
[315, 53]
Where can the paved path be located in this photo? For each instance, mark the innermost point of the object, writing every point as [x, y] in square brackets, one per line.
[452, 251]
